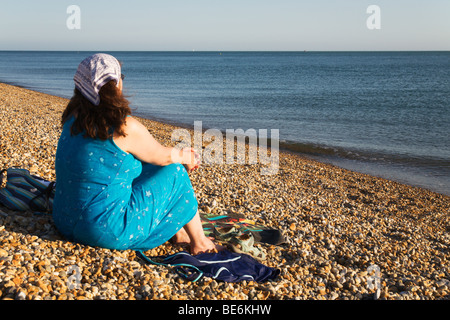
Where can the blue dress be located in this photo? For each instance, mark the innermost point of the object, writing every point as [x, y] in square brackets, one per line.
[107, 198]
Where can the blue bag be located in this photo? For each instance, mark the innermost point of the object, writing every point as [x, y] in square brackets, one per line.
[24, 191]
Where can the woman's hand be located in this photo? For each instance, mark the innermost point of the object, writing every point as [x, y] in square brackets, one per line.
[191, 159]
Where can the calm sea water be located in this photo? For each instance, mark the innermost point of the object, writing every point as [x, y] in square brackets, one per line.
[382, 113]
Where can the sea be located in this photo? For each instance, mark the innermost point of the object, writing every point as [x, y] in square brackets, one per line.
[382, 113]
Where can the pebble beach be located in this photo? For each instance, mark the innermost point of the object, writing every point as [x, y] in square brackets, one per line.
[349, 236]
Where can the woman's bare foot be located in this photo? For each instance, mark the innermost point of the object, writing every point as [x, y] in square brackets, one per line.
[205, 245]
[197, 240]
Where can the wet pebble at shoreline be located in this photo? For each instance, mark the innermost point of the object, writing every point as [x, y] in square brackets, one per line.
[349, 235]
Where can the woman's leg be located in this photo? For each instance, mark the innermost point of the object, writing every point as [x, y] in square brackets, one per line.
[181, 237]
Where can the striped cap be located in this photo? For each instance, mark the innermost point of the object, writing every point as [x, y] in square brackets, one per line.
[94, 72]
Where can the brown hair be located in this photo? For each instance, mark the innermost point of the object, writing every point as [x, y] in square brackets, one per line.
[98, 121]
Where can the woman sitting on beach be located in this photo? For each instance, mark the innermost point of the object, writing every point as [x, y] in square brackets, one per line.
[117, 187]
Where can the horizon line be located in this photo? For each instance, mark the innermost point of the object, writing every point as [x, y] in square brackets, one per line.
[305, 51]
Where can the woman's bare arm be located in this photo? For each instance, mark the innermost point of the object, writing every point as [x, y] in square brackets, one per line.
[145, 147]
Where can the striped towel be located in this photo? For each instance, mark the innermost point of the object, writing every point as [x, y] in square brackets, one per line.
[222, 266]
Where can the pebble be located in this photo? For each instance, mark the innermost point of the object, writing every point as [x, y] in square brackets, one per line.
[349, 236]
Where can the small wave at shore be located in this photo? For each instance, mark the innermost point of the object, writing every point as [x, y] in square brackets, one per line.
[421, 172]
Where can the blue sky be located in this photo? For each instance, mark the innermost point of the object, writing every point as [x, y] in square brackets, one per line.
[214, 25]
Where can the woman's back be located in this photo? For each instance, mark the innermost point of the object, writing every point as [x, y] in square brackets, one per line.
[94, 180]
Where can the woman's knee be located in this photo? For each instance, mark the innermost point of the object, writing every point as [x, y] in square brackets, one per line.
[175, 168]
